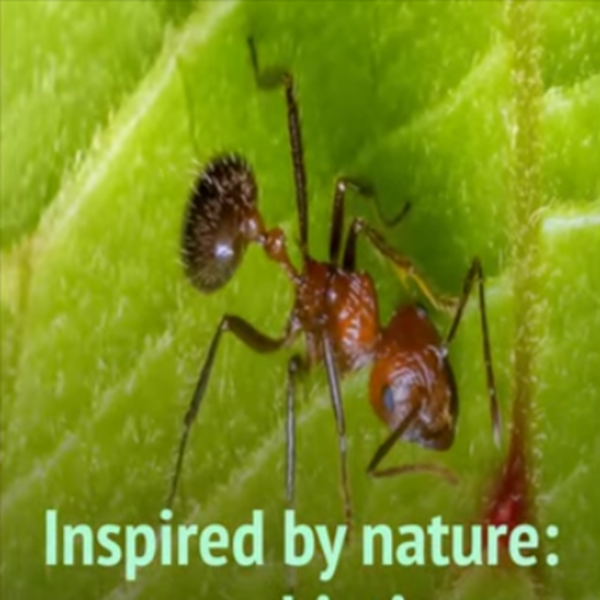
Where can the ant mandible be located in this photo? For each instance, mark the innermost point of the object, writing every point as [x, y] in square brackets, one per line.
[412, 387]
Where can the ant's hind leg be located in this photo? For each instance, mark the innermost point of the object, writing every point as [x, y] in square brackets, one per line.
[269, 79]
[389, 443]
[253, 339]
[475, 274]
[405, 267]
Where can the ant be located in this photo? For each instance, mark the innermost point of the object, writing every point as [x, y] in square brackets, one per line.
[412, 386]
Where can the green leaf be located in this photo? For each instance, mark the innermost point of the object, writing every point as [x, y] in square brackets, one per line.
[483, 115]
[66, 67]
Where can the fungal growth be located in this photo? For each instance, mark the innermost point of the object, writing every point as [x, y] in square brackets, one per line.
[219, 222]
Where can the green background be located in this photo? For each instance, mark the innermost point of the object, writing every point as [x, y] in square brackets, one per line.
[484, 115]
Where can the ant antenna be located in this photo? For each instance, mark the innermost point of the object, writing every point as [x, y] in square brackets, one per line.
[270, 79]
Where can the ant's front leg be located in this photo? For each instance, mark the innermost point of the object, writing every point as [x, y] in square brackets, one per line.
[254, 339]
[406, 268]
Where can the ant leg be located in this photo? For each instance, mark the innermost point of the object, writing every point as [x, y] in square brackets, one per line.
[338, 409]
[406, 268]
[252, 338]
[269, 79]
[337, 218]
[475, 272]
[337, 221]
[296, 368]
[388, 444]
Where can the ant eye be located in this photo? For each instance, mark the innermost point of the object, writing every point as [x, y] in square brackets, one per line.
[388, 399]
[215, 228]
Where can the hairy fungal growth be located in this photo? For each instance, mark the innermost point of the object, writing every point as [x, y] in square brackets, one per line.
[215, 232]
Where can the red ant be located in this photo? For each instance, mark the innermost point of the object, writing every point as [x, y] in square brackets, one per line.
[412, 387]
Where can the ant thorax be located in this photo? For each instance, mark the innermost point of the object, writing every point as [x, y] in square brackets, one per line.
[342, 305]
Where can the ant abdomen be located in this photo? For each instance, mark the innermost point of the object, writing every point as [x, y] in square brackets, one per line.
[411, 372]
[220, 220]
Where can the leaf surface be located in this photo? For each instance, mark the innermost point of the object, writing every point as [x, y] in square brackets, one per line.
[103, 337]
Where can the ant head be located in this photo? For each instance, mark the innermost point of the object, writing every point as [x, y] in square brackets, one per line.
[411, 375]
[221, 219]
